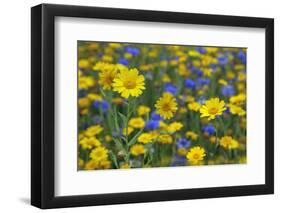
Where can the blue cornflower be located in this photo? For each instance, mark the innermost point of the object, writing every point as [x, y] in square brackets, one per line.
[203, 81]
[197, 71]
[101, 104]
[133, 50]
[156, 117]
[223, 60]
[123, 61]
[242, 56]
[201, 50]
[183, 143]
[209, 128]
[189, 83]
[169, 87]
[152, 124]
[228, 90]
[178, 160]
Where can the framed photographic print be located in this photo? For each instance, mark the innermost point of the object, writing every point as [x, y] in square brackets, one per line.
[140, 106]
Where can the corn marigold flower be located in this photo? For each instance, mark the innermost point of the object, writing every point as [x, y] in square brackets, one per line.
[166, 106]
[137, 149]
[93, 130]
[228, 142]
[192, 135]
[194, 106]
[195, 155]
[89, 143]
[238, 99]
[145, 138]
[137, 122]
[236, 110]
[85, 82]
[129, 83]
[165, 139]
[143, 110]
[175, 126]
[99, 154]
[106, 77]
[212, 108]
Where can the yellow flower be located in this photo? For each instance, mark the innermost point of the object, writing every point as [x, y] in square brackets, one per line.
[89, 143]
[83, 102]
[212, 108]
[99, 154]
[194, 106]
[236, 110]
[165, 139]
[85, 82]
[100, 66]
[145, 138]
[108, 138]
[213, 139]
[166, 106]
[137, 149]
[192, 135]
[128, 130]
[125, 166]
[228, 142]
[128, 83]
[105, 164]
[137, 123]
[83, 63]
[94, 97]
[182, 151]
[93, 130]
[175, 126]
[106, 78]
[238, 99]
[190, 99]
[195, 155]
[223, 82]
[143, 110]
[92, 164]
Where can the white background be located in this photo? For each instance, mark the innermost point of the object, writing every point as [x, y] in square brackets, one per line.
[70, 182]
[15, 106]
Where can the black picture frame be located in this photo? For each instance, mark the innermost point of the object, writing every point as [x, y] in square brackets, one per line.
[43, 102]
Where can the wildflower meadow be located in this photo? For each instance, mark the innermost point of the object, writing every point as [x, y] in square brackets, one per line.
[157, 105]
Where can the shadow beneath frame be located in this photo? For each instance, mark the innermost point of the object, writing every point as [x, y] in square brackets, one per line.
[25, 200]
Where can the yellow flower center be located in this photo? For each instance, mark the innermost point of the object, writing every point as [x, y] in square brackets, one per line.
[196, 156]
[129, 84]
[99, 153]
[166, 107]
[213, 110]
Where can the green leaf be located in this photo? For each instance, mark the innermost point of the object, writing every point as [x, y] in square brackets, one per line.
[133, 140]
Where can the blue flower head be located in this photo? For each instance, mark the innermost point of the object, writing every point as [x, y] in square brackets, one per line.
[201, 50]
[178, 160]
[203, 81]
[228, 90]
[242, 57]
[223, 60]
[132, 50]
[189, 83]
[169, 87]
[183, 143]
[123, 61]
[156, 117]
[197, 71]
[152, 124]
[209, 128]
[101, 104]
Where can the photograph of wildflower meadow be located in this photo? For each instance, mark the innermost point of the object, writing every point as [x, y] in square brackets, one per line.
[158, 105]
